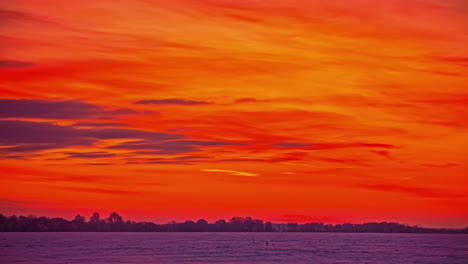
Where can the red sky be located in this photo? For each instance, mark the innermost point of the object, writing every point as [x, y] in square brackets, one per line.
[284, 110]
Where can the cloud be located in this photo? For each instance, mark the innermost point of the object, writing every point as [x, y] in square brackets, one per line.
[98, 164]
[47, 109]
[96, 190]
[6, 15]
[117, 133]
[332, 145]
[231, 172]
[248, 19]
[245, 160]
[441, 165]
[163, 161]
[170, 147]
[382, 153]
[209, 143]
[14, 157]
[172, 101]
[417, 191]
[28, 136]
[25, 136]
[157, 149]
[89, 124]
[337, 160]
[182, 160]
[246, 100]
[87, 155]
[442, 98]
[191, 157]
[15, 64]
[289, 145]
[352, 145]
[463, 61]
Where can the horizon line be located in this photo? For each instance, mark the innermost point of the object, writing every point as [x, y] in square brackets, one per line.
[242, 223]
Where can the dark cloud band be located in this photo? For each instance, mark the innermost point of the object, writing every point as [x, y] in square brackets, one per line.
[47, 109]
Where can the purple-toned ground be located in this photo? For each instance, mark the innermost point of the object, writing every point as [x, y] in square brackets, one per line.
[232, 248]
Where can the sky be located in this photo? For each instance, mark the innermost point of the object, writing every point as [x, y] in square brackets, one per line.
[283, 110]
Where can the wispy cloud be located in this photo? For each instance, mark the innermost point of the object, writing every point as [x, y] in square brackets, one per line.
[246, 100]
[172, 101]
[447, 165]
[232, 172]
[417, 191]
[89, 155]
[95, 124]
[15, 64]
[171, 147]
[290, 145]
[382, 153]
[97, 190]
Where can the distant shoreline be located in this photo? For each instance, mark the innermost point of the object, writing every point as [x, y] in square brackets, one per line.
[115, 223]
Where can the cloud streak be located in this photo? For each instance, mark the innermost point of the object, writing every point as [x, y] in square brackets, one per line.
[28, 136]
[232, 172]
[15, 64]
[98, 190]
[417, 191]
[171, 147]
[68, 109]
[171, 101]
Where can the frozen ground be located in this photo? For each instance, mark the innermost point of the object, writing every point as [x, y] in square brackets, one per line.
[232, 248]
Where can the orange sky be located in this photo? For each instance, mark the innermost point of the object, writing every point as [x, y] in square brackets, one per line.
[284, 110]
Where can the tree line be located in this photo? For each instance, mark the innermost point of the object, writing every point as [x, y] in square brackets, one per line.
[115, 223]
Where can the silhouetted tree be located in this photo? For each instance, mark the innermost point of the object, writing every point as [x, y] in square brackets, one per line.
[221, 225]
[95, 218]
[79, 219]
[202, 225]
[269, 227]
[79, 223]
[114, 218]
[236, 224]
